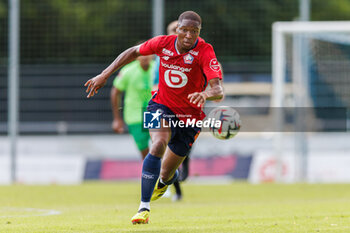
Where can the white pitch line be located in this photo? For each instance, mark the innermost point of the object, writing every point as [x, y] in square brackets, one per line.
[41, 212]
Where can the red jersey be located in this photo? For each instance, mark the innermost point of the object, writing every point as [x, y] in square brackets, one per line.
[182, 74]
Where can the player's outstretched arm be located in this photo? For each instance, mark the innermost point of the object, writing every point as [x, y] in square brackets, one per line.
[216, 92]
[94, 84]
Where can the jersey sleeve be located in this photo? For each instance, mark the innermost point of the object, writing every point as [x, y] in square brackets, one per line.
[210, 64]
[151, 46]
[121, 81]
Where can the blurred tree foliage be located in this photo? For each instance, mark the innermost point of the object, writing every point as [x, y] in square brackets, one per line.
[90, 31]
[3, 31]
[81, 30]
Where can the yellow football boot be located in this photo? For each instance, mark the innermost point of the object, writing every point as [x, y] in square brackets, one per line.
[141, 217]
[158, 192]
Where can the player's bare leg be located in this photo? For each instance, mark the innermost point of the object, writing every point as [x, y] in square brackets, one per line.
[160, 139]
[170, 163]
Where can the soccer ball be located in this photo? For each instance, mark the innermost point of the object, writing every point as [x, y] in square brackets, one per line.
[230, 122]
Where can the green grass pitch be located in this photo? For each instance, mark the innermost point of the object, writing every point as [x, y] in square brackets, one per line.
[236, 207]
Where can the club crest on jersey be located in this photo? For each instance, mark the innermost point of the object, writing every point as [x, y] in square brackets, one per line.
[188, 59]
[214, 65]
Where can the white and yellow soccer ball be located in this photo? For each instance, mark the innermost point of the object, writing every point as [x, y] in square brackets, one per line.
[230, 122]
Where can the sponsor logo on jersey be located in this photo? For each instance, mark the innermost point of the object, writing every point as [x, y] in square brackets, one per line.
[188, 59]
[195, 53]
[175, 67]
[165, 58]
[167, 52]
[175, 78]
[214, 65]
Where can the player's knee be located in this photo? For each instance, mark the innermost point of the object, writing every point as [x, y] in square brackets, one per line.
[158, 147]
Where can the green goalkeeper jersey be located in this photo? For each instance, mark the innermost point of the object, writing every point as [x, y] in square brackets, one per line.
[136, 83]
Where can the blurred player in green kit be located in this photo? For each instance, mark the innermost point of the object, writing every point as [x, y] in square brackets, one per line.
[135, 80]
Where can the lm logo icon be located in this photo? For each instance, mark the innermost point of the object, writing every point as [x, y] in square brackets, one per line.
[152, 120]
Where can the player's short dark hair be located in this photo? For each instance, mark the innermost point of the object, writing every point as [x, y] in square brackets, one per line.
[191, 15]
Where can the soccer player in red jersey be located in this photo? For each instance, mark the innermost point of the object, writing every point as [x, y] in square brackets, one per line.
[187, 65]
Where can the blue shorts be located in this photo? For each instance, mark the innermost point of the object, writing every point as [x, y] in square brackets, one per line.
[182, 139]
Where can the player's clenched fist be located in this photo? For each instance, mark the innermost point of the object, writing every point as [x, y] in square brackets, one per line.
[94, 84]
[118, 125]
[197, 98]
